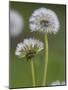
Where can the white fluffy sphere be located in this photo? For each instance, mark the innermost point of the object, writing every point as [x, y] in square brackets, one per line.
[16, 23]
[44, 20]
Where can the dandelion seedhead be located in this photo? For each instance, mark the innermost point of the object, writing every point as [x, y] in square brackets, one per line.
[29, 48]
[44, 20]
[16, 23]
[58, 83]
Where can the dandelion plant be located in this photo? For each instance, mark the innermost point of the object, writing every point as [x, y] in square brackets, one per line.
[28, 49]
[45, 21]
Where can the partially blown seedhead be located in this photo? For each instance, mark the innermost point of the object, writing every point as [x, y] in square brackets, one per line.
[29, 48]
[44, 20]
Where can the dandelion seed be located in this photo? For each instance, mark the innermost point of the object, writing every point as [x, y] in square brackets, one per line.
[58, 83]
[29, 48]
[44, 20]
[16, 23]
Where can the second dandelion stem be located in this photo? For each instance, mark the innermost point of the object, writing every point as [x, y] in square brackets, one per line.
[32, 71]
[46, 60]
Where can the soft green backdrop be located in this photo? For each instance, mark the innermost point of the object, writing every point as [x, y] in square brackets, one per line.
[20, 71]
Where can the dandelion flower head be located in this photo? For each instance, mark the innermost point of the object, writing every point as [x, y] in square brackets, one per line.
[29, 48]
[44, 20]
[57, 82]
[16, 23]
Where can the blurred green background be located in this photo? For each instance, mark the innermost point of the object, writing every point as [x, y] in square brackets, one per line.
[20, 71]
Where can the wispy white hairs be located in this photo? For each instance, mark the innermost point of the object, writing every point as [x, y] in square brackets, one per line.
[28, 48]
[44, 20]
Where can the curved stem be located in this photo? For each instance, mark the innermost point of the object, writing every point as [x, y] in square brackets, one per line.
[32, 71]
[46, 60]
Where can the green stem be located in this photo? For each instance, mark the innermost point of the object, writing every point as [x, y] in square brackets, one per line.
[32, 71]
[46, 60]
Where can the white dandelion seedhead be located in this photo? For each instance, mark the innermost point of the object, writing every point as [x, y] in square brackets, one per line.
[44, 20]
[16, 23]
[29, 48]
[58, 83]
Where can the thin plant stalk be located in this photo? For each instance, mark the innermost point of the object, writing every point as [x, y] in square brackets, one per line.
[33, 72]
[46, 60]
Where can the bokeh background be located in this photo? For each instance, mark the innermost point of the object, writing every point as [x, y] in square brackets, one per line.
[20, 71]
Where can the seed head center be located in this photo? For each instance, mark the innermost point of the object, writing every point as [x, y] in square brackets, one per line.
[30, 54]
[44, 23]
